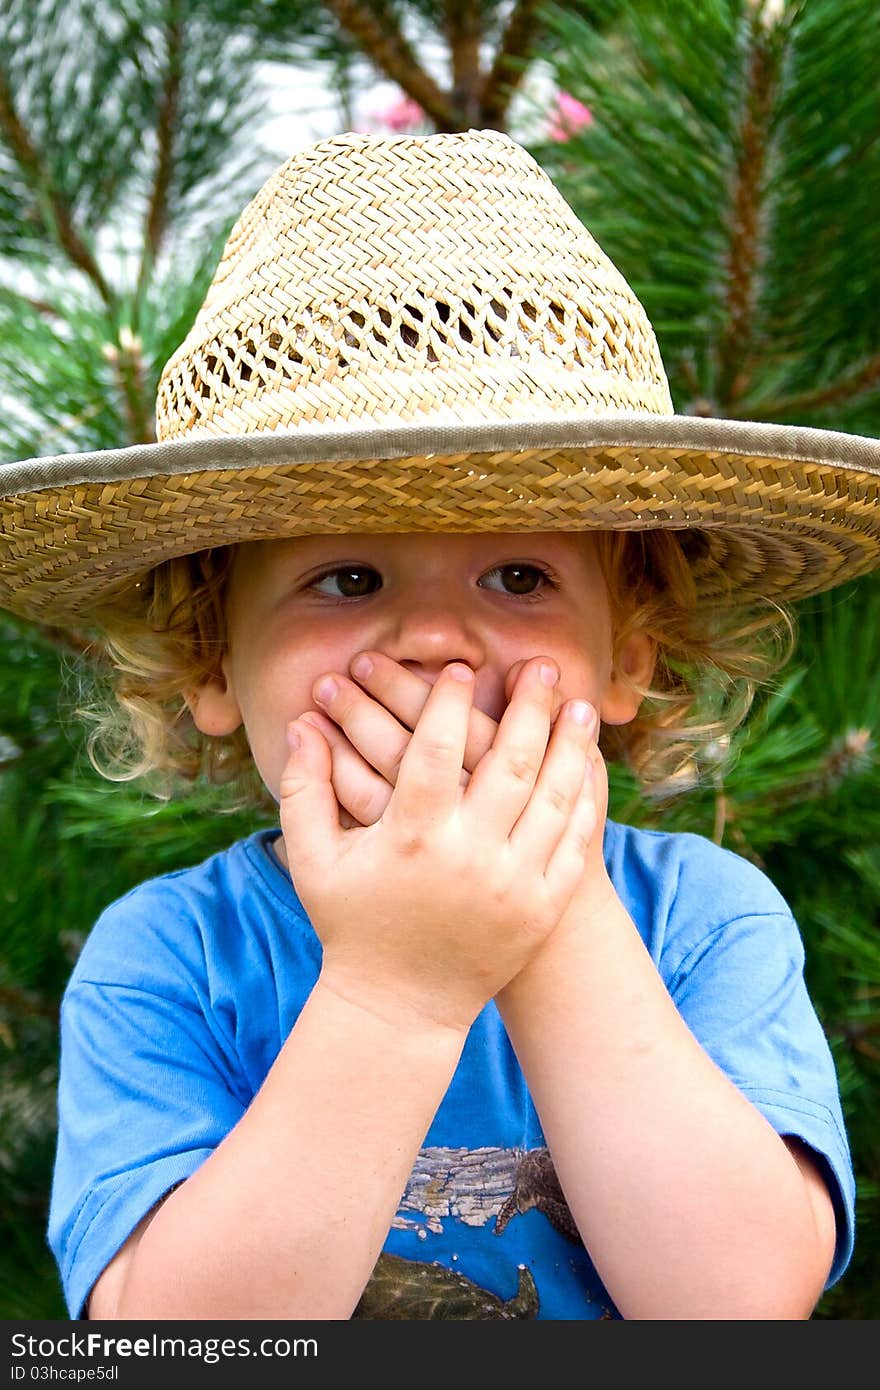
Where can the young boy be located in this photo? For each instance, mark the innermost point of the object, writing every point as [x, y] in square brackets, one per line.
[421, 531]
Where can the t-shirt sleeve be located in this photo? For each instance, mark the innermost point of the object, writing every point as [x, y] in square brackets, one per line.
[145, 1096]
[739, 985]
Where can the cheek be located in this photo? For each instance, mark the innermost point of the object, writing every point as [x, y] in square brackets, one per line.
[267, 684]
[272, 699]
[273, 685]
[585, 664]
[274, 673]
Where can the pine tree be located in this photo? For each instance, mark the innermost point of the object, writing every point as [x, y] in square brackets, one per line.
[119, 180]
[484, 47]
[730, 169]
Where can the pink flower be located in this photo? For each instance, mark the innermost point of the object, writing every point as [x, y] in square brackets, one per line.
[403, 114]
[567, 117]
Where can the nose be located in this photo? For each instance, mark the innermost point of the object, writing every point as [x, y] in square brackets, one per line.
[431, 630]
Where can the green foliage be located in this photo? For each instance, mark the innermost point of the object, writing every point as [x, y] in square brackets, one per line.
[94, 130]
[310, 29]
[119, 180]
[55, 376]
[730, 172]
[111, 176]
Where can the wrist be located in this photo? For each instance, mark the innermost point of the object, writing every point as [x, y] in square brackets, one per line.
[593, 913]
[405, 1017]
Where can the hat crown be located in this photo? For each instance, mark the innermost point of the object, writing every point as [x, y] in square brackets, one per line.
[377, 281]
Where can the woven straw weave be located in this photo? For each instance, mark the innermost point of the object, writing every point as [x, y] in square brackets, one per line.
[406, 280]
[100, 536]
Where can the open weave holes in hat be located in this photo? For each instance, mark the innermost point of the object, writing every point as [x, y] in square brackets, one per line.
[417, 334]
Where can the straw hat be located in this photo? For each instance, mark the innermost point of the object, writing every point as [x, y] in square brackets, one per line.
[417, 334]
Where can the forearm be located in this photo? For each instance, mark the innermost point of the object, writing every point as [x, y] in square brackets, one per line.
[688, 1202]
[287, 1218]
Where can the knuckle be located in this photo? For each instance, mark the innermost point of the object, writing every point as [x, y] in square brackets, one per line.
[581, 841]
[437, 751]
[520, 766]
[292, 784]
[558, 800]
[409, 843]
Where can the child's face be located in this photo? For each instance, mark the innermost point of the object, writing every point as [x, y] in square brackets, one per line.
[303, 608]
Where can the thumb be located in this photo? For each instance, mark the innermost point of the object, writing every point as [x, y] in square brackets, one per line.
[308, 807]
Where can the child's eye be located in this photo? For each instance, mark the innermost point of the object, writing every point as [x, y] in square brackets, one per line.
[521, 580]
[351, 581]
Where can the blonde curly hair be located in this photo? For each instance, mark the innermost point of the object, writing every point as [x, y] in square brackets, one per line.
[166, 634]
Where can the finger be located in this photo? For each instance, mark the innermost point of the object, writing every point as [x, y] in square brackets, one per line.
[373, 730]
[545, 820]
[569, 860]
[428, 782]
[504, 780]
[362, 792]
[511, 680]
[308, 808]
[359, 788]
[405, 694]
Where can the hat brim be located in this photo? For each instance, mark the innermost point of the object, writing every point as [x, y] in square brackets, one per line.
[783, 511]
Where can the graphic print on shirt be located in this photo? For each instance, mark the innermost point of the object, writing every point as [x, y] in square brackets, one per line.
[477, 1187]
[410, 1290]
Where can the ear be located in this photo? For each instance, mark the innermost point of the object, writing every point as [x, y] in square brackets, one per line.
[635, 661]
[213, 706]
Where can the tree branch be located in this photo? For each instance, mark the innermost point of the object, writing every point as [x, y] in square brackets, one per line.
[42, 307]
[56, 212]
[507, 68]
[166, 124]
[865, 377]
[127, 360]
[388, 50]
[464, 30]
[748, 192]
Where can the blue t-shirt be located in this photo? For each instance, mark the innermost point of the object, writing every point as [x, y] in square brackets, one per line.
[188, 986]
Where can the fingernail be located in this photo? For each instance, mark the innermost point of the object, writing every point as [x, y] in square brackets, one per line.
[461, 673]
[549, 674]
[325, 690]
[582, 713]
[361, 667]
[293, 739]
